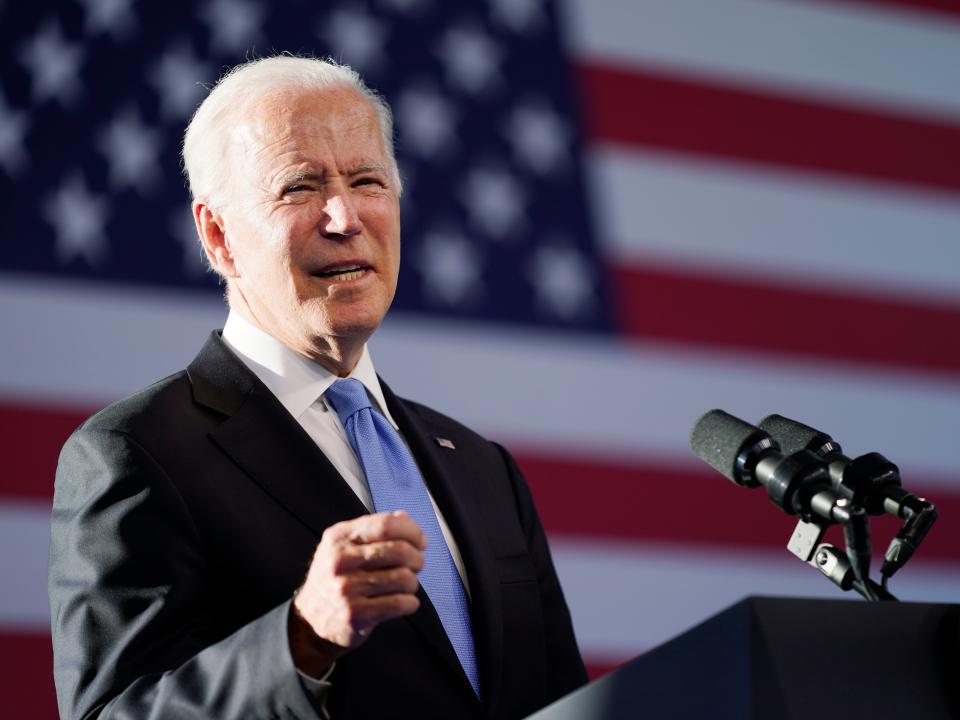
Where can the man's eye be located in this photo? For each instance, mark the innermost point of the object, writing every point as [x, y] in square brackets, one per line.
[368, 181]
[294, 188]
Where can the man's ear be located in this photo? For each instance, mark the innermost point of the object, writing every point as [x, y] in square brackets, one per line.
[213, 237]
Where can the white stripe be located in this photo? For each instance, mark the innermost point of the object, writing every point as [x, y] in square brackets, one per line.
[596, 397]
[72, 342]
[556, 390]
[834, 51]
[24, 543]
[774, 225]
[626, 598]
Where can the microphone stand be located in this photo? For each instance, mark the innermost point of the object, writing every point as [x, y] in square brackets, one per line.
[835, 565]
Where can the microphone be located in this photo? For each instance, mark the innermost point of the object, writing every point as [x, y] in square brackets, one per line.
[798, 483]
[870, 480]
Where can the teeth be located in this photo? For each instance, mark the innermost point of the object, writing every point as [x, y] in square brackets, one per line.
[352, 275]
[351, 272]
[347, 272]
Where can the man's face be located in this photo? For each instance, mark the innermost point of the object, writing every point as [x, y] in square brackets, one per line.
[312, 219]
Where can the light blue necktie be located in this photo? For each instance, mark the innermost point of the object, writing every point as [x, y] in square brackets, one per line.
[396, 484]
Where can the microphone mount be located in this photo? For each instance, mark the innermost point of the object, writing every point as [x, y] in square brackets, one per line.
[814, 481]
[869, 480]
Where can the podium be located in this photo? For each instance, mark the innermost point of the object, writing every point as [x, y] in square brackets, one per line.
[789, 659]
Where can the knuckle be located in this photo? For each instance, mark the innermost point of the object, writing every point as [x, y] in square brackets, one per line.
[385, 524]
[356, 530]
[335, 532]
[372, 553]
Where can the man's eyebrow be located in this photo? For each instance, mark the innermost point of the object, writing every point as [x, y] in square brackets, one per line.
[301, 175]
[320, 177]
[368, 167]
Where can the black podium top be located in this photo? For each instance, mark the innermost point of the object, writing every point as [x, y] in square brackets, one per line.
[789, 659]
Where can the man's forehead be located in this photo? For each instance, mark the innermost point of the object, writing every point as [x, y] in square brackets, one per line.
[289, 111]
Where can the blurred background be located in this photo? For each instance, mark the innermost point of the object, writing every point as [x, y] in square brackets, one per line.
[617, 215]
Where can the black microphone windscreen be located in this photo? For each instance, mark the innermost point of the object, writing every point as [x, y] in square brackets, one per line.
[718, 438]
[793, 436]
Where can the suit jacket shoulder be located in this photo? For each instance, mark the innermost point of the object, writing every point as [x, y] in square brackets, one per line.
[186, 515]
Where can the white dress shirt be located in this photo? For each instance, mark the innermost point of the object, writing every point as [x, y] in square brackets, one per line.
[299, 383]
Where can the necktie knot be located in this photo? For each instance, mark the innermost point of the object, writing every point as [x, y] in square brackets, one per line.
[348, 397]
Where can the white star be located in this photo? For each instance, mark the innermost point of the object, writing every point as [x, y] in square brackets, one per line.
[78, 218]
[450, 266]
[109, 16]
[13, 131]
[426, 121]
[54, 65]
[405, 6]
[563, 280]
[234, 24]
[518, 15]
[470, 57]
[355, 37]
[184, 230]
[131, 149]
[494, 200]
[178, 76]
[539, 137]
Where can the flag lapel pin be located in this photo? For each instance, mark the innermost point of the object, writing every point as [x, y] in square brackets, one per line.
[444, 443]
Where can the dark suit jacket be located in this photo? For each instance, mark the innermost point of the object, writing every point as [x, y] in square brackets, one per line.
[186, 515]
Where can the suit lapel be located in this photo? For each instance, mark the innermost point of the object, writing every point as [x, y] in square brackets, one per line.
[269, 445]
[439, 467]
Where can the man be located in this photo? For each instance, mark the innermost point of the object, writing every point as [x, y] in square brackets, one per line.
[272, 532]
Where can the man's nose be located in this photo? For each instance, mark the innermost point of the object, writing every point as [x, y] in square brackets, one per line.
[340, 216]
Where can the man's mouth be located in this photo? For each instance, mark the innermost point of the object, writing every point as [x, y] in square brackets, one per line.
[351, 271]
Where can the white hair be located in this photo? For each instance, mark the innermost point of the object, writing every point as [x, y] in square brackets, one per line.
[205, 140]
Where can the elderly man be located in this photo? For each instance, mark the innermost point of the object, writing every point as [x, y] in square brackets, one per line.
[272, 532]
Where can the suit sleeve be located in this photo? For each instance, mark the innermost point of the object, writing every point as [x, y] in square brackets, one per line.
[130, 606]
[565, 670]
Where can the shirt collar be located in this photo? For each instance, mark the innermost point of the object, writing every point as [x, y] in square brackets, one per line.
[296, 380]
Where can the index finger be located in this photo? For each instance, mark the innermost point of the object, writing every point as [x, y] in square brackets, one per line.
[396, 525]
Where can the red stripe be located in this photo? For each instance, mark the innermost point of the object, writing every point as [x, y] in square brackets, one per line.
[651, 502]
[26, 676]
[34, 437]
[942, 7]
[598, 667]
[640, 107]
[703, 309]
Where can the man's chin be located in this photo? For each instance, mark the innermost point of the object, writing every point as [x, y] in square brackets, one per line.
[344, 336]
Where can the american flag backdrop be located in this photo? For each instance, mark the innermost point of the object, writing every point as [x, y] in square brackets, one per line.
[618, 214]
